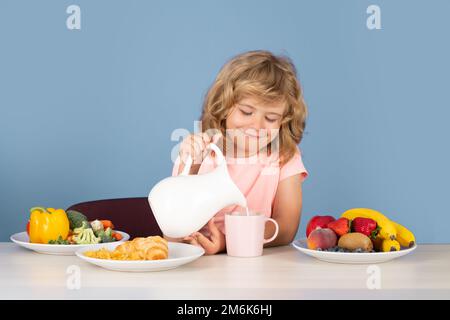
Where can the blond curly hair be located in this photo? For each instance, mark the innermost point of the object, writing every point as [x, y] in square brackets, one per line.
[267, 77]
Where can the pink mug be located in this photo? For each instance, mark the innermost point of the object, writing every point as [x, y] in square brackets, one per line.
[244, 234]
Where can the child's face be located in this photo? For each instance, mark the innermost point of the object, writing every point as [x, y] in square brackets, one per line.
[254, 124]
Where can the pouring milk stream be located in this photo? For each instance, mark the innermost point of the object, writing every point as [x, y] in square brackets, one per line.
[185, 203]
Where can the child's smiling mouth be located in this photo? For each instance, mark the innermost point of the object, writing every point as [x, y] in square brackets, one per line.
[253, 133]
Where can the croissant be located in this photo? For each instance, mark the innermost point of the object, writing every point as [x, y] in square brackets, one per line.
[149, 248]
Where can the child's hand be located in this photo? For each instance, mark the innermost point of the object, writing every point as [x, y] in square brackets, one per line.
[195, 146]
[213, 245]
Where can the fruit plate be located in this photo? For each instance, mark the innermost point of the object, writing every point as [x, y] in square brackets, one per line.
[350, 257]
[179, 254]
[23, 240]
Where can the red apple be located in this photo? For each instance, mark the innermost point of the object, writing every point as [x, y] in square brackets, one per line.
[318, 222]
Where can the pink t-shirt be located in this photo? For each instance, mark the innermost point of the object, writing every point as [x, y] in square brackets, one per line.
[257, 177]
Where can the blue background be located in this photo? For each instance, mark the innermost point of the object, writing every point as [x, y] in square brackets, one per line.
[88, 114]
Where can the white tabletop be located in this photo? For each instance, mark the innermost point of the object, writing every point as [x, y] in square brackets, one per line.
[281, 273]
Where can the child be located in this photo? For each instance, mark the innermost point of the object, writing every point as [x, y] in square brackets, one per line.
[256, 109]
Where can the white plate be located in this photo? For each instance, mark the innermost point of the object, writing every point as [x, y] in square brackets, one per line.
[350, 257]
[23, 240]
[179, 254]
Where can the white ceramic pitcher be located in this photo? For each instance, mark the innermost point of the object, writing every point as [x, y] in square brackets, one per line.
[185, 203]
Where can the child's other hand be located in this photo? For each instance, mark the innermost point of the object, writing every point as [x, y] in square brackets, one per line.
[214, 245]
[195, 146]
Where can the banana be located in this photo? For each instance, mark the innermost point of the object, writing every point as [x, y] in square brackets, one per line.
[387, 230]
[390, 245]
[404, 236]
[385, 245]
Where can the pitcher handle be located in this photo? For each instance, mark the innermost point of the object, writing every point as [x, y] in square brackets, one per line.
[219, 155]
[187, 166]
[211, 146]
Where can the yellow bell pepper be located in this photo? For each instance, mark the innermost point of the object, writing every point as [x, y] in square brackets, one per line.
[48, 224]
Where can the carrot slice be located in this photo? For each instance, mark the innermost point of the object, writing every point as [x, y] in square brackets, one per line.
[117, 236]
[107, 224]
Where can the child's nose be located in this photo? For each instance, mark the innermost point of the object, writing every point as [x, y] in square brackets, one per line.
[259, 123]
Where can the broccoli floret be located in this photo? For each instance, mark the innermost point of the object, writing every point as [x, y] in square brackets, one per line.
[86, 236]
[75, 219]
[60, 240]
[108, 232]
[106, 235]
[84, 225]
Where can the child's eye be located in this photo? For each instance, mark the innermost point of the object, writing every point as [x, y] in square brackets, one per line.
[271, 120]
[246, 113]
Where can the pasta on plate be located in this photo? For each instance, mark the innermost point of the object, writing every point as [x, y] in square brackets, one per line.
[140, 248]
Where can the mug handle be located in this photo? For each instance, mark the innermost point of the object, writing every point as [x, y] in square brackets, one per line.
[211, 146]
[276, 230]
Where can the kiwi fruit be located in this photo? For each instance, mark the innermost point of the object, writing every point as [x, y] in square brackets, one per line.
[355, 240]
